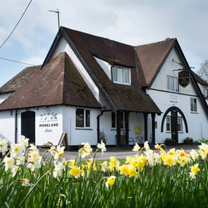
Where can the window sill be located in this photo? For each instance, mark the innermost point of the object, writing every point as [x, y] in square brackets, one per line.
[194, 112]
[128, 84]
[83, 128]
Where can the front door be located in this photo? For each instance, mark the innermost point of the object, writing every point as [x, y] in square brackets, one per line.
[28, 125]
[174, 125]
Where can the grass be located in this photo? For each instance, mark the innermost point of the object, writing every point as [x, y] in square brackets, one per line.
[164, 179]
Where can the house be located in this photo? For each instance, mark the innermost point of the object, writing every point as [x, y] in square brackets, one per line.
[90, 87]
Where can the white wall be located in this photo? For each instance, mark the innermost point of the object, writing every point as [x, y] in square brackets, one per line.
[105, 66]
[7, 125]
[135, 119]
[197, 122]
[78, 135]
[4, 97]
[49, 125]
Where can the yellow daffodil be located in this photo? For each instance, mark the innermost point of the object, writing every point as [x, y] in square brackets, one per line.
[75, 171]
[132, 171]
[110, 181]
[194, 170]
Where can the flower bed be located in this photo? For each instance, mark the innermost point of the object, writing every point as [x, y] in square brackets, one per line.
[148, 179]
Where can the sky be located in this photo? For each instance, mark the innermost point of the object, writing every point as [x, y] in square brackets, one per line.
[134, 22]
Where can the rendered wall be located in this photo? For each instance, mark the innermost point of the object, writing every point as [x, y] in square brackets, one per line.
[197, 121]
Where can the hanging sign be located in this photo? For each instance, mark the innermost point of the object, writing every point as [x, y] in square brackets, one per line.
[184, 78]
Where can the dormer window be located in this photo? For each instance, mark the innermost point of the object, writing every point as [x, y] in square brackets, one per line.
[121, 75]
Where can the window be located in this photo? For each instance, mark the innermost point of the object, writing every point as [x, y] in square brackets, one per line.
[172, 83]
[180, 124]
[121, 75]
[113, 120]
[168, 123]
[193, 105]
[82, 118]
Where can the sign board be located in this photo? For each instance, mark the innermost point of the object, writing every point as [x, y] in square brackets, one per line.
[184, 78]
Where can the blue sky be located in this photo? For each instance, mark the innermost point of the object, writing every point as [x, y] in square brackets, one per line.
[132, 22]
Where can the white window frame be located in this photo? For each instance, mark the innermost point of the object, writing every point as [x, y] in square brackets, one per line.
[121, 75]
[85, 123]
[193, 105]
[172, 83]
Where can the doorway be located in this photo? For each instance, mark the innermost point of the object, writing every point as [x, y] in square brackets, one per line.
[28, 125]
[175, 115]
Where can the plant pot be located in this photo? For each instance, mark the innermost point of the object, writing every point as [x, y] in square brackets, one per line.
[188, 141]
[170, 143]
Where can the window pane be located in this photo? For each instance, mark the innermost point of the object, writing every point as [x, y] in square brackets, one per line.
[193, 104]
[168, 123]
[119, 75]
[113, 120]
[179, 124]
[114, 72]
[80, 118]
[126, 75]
[175, 84]
[87, 121]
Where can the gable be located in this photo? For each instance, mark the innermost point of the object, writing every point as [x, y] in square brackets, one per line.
[170, 68]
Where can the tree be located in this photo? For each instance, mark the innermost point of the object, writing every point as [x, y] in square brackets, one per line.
[203, 71]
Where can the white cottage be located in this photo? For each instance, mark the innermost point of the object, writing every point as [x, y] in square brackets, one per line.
[92, 87]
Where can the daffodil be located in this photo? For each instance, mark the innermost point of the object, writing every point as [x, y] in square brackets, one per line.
[17, 149]
[24, 141]
[104, 166]
[169, 160]
[146, 146]
[124, 169]
[3, 146]
[110, 181]
[158, 147]
[71, 163]
[154, 159]
[136, 148]
[75, 171]
[132, 171]
[85, 150]
[101, 146]
[14, 170]
[59, 152]
[8, 162]
[194, 155]
[194, 170]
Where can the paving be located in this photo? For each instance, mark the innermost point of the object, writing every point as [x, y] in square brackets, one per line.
[119, 153]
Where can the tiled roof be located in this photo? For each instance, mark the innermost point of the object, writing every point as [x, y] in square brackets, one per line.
[122, 97]
[58, 83]
[17, 81]
[151, 57]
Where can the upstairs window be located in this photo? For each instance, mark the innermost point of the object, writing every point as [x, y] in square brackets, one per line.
[121, 75]
[193, 103]
[172, 83]
[82, 118]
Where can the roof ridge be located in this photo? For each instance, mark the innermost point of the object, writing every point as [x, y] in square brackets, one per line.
[162, 41]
